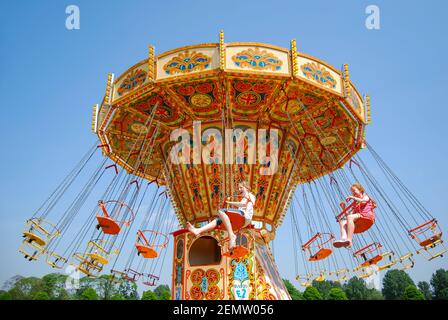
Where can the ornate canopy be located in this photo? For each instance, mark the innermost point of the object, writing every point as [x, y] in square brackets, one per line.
[319, 114]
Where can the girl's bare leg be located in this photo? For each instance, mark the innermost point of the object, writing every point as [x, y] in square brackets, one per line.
[226, 221]
[343, 225]
[351, 226]
[196, 231]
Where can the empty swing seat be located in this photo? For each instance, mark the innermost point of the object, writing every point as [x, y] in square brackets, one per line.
[236, 252]
[146, 251]
[317, 248]
[33, 237]
[320, 278]
[98, 258]
[108, 225]
[372, 261]
[321, 254]
[431, 240]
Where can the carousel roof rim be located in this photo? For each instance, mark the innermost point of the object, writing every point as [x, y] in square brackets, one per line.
[232, 44]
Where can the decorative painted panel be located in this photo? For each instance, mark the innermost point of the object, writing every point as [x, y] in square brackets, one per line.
[319, 73]
[257, 58]
[188, 61]
[130, 81]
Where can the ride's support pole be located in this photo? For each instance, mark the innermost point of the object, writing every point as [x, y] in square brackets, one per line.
[222, 51]
[368, 109]
[108, 94]
[294, 58]
[151, 62]
[95, 118]
[346, 80]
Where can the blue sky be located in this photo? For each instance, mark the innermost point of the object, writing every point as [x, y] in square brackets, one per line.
[50, 77]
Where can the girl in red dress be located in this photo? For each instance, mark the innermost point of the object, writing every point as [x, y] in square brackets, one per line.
[363, 208]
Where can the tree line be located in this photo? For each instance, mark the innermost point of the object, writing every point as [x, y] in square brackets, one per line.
[53, 286]
[397, 285]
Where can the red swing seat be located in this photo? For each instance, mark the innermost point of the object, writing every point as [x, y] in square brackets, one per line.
[362, 224]
[150, 250]
[318, 242]
[236, 252]
[321, 254]
[236, 220]
[146, 251]
[150, 279]
[108, 225]
[430, 227]
[364, 253]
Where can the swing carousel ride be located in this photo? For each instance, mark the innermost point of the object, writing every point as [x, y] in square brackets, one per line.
[123, 215]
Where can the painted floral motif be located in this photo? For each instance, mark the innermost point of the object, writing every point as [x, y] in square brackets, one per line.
[134, 79]
[186, 62]
[263, 286]
[241, 279]
[318, 73]
[205, 284]
[240, 272]
[257, 59]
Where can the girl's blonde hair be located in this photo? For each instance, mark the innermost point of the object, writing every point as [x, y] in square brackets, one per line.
[245, 185]
[358, 186]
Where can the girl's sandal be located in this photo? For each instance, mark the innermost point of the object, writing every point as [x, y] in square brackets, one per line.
[339, 243]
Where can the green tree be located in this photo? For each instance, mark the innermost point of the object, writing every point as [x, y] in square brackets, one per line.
[41, 295]
[117, 296]
[149, 295]
[356, 289]
[128, 290]
[84, 283]
[26, 288]
[89, 294]
[412, 293]
[163, 292]
[443, 295]
[373, 294]
[4, 295]
[104, 287]
[394, 284]
[439, 283]
[426, 289]
[54, 285]
[293, 292]
[324, 287]
[311, 293]
[337, 294]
